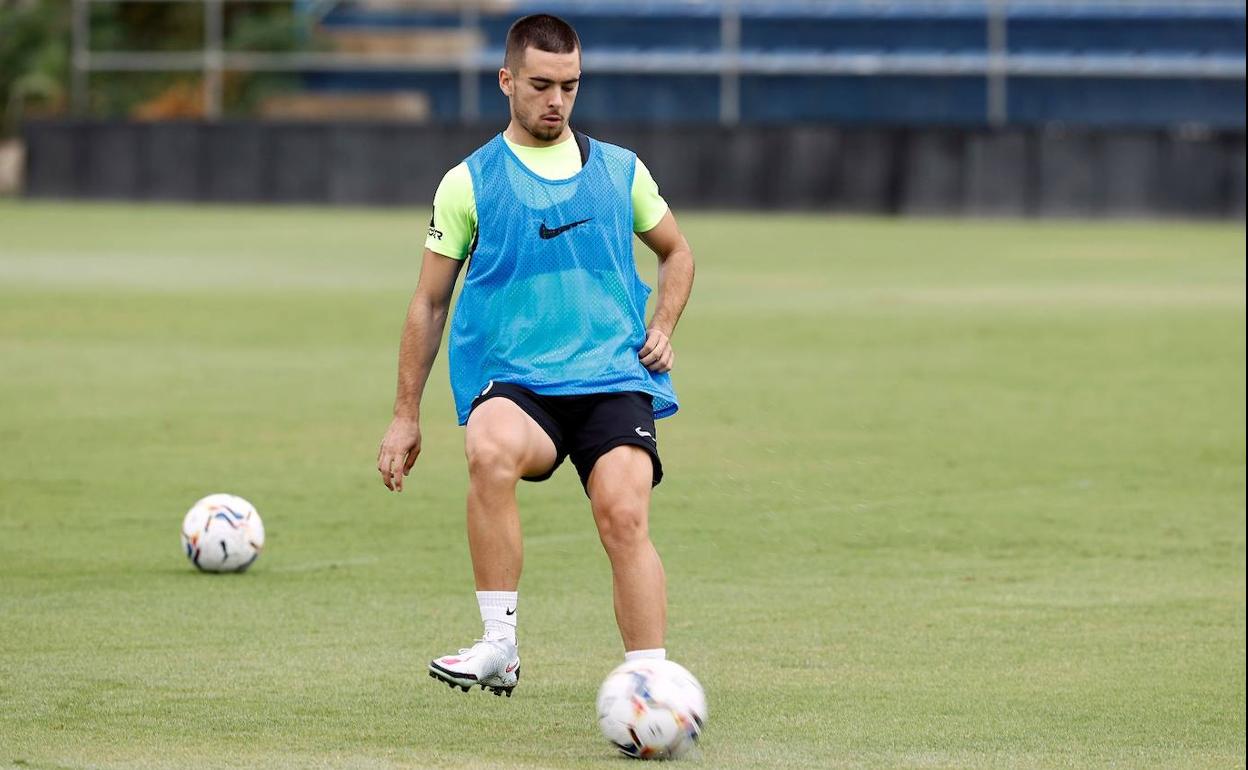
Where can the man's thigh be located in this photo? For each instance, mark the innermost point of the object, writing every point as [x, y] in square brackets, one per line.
[499, 428]
[615, 420]
[622, 474]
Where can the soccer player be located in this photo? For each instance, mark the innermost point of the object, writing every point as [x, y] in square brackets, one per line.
[550, 353]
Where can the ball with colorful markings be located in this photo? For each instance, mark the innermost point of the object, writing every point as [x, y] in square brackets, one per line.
[222, 533]
[652, 709]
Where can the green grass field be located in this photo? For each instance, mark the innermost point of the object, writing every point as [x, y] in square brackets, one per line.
[941, 494]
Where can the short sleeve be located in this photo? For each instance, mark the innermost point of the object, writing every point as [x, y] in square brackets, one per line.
[648, 206]
[453, 223]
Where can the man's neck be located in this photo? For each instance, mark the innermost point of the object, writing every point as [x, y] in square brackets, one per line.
[516, 134]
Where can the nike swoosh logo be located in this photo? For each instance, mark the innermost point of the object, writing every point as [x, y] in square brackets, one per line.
[511, 611]
[488, 387]
[512, 667]
[547, 233]
[645, 434]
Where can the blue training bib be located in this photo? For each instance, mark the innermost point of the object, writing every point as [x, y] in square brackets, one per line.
[552, 300]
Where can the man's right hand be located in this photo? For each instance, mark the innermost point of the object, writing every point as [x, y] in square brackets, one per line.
[399, 450]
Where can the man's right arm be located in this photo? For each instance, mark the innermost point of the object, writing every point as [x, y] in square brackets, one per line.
[422, 332]
[422, 335]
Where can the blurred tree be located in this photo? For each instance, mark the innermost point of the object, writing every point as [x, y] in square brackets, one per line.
[268, 27]
[146, 26]
[34, 59]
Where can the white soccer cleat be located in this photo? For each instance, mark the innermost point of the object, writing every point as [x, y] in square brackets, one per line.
[494, 666]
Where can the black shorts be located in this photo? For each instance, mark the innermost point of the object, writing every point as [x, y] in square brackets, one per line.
[586, 427]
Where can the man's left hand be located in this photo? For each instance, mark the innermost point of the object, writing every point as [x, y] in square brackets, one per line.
[657, 354]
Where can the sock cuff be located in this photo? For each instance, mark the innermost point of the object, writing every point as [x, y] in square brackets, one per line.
[497, 599]
[498, 614]
[658, 653]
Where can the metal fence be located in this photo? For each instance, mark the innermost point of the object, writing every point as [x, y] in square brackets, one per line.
[995, 64]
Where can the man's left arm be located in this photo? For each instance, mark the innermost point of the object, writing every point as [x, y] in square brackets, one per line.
[675, 283]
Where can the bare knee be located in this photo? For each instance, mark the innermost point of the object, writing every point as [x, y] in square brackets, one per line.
[503, 444]
[622, 525]
[491, 461]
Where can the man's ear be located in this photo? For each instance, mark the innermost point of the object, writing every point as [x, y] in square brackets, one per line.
[505, 82]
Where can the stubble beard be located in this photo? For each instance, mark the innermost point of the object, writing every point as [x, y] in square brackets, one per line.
[537, 129]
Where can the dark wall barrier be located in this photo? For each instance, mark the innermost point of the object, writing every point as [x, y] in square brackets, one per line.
[1015, 172]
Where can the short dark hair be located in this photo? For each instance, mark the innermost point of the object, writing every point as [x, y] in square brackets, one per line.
[541, 31]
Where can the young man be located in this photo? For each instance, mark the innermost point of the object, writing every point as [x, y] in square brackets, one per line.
[550, 354]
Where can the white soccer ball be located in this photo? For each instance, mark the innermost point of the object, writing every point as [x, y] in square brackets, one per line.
[222, 533]
[652, 709]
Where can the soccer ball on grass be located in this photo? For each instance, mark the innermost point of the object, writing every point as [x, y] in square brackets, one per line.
[222, 533]
[652, 709]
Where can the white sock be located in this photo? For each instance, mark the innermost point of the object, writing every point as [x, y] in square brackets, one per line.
[498, 613]
[659, 654]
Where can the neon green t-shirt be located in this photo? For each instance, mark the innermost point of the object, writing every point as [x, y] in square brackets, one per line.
[454, 221]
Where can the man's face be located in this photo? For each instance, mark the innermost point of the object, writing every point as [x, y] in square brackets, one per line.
[542, 90]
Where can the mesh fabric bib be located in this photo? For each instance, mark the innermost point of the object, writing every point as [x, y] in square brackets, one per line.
[552, 300]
